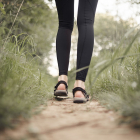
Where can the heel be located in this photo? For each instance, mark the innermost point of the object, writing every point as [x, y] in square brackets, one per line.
[61, 92]
[77, 99]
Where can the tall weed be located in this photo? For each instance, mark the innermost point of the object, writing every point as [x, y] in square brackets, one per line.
[22, 85]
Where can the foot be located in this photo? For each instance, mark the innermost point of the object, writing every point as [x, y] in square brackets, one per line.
[79, 83]
[62, 86]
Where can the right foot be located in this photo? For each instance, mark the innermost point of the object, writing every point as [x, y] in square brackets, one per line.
[79, 83]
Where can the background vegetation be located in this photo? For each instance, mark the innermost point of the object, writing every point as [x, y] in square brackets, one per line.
[114, 74]
[25, 83]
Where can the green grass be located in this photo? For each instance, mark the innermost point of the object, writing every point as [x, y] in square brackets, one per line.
[114, 79]
[23, 87]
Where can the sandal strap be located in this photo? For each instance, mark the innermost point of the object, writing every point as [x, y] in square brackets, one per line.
[80, 89]
[59, 82]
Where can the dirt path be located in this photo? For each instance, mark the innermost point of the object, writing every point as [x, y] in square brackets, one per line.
[64, 120]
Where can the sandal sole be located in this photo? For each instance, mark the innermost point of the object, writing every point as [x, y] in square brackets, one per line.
[79, 100]
[60, 93]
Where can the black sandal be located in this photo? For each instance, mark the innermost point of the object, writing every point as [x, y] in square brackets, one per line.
[61, 92]
[78, 99]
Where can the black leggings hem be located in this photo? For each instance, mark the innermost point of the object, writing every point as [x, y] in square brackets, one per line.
[80, 78]
[63, 73]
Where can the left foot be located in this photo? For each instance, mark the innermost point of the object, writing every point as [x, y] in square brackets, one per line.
[62, 86]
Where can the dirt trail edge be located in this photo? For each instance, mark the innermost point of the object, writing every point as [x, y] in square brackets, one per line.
[64, 120]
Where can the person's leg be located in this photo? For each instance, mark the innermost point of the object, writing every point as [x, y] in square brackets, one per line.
[65, 9]
[85, 22]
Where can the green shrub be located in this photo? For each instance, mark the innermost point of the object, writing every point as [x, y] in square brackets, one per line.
[22, 85]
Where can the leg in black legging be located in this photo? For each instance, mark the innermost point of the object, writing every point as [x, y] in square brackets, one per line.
[65, 9]
[85, 21]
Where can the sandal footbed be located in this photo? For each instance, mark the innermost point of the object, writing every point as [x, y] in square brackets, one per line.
[62, 97]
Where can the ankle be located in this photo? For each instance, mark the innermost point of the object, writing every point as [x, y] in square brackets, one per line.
[79, 83]
[63, 77]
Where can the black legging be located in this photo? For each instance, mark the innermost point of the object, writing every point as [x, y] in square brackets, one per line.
[85, 21]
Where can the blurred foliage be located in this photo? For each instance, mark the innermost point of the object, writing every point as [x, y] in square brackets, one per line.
[109, 30]
[135, 3]
[23, 86]
[114, 75]
[35, 18]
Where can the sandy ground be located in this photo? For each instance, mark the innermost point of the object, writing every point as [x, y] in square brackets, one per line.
[64, 120]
